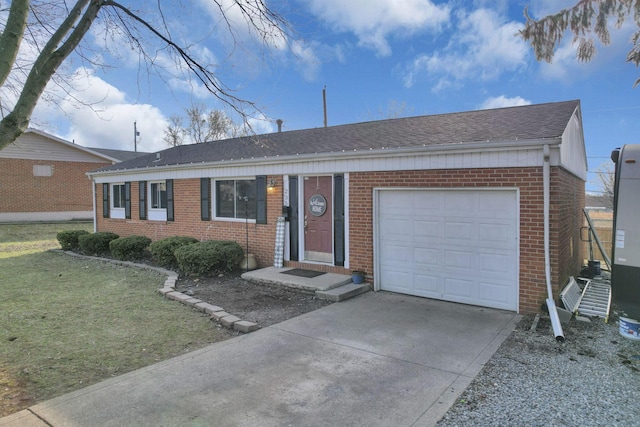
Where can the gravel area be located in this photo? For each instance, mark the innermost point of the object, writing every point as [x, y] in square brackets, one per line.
[591, 379]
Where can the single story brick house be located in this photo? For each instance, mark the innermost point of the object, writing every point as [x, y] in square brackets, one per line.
[448, 206]
[43, 178]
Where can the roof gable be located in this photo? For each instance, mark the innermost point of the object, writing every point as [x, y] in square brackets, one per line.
[37, 145]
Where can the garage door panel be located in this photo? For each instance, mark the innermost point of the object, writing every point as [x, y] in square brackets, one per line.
[494, 232]
[458, 203]
[429, 229]
[492, 263]
[461, 245]
[428, 285]
[497, 205]
[459, 288]
[394, 254]
[398, 280]
[427, 257]
[428, 205]
[495, 294]
[459, 231]
[459, 260]
[397, 228]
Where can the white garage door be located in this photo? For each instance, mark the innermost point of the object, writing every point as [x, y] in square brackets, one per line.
[454, 245]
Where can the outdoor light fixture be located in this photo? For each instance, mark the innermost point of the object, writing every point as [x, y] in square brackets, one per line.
[271, 184]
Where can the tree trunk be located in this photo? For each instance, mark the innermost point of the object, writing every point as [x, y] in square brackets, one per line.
[11, 37]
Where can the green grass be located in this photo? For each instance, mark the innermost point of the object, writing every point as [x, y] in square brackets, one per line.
[22, 239]
[68, 322]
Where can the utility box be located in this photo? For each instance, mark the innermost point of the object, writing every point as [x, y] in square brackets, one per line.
[625, 260]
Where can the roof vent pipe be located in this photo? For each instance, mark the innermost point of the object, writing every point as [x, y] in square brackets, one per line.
[279, 122]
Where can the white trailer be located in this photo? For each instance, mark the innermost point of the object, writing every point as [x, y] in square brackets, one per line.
[625, 259]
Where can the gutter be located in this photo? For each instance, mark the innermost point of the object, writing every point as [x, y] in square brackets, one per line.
[553, 312]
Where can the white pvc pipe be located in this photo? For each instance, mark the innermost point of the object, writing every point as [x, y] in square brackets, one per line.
[555, 320]
[553, 313]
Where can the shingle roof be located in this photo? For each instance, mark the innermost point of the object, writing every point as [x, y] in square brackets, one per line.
[496, 125]
[121, 155]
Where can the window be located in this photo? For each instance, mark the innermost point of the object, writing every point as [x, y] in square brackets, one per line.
[158, 195]
[119, 201]
[236, 198]
[160, 201]
[118, 196]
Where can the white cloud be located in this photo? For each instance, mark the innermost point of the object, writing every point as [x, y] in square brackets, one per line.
[246, 24]
[483, 47]
[502, 101]
[100, 116]
[261, 124]
[374, 21]
[541, 8]
[307, 59]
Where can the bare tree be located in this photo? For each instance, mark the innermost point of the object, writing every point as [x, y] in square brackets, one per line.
[174, 133]
[585, 19]
[202, 125]
[395, 110]
[207, 125]
[606, 173]
[56, 28]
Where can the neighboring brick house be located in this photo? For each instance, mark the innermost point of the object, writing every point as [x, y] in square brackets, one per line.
[44, 178]
[446, 206]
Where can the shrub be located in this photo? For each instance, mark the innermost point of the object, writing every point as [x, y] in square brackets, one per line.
[210, 257]
[68, 239]
[162, 250]
[129, 248]
[96, 243]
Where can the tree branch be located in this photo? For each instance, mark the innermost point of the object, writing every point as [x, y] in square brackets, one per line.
[205, 76]
[585, 18]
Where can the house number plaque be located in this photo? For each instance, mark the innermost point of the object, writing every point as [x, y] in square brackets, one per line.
[317, 205]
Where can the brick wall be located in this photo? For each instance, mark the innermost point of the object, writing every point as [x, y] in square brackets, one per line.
[67, 189]
[567, 250]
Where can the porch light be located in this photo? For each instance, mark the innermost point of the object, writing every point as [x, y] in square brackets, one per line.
[271, 185]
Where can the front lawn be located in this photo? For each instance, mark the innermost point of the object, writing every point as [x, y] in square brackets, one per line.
[68, 322]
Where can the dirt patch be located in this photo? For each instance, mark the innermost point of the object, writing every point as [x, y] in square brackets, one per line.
[262, 303]
[13, 394]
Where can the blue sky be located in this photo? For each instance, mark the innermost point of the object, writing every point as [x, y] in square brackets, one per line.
[377, 58]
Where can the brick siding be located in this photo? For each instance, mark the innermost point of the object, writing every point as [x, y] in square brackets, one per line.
[67, 189]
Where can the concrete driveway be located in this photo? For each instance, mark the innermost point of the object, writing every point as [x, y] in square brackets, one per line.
[377, 360]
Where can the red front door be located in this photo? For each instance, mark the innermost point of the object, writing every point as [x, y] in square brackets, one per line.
[318, 218]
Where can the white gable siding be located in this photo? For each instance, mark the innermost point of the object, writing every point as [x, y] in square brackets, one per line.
[572, 150]
[32, 146]
[522, 157]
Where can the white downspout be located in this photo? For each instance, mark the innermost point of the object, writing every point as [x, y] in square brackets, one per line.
[95, 214]
[551, 305]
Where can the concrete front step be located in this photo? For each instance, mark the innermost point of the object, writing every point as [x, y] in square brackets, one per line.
[343, 292]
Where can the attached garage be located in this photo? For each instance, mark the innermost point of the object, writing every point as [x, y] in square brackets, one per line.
[457, 245]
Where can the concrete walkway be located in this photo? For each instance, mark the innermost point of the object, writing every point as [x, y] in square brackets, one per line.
[377, 360]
